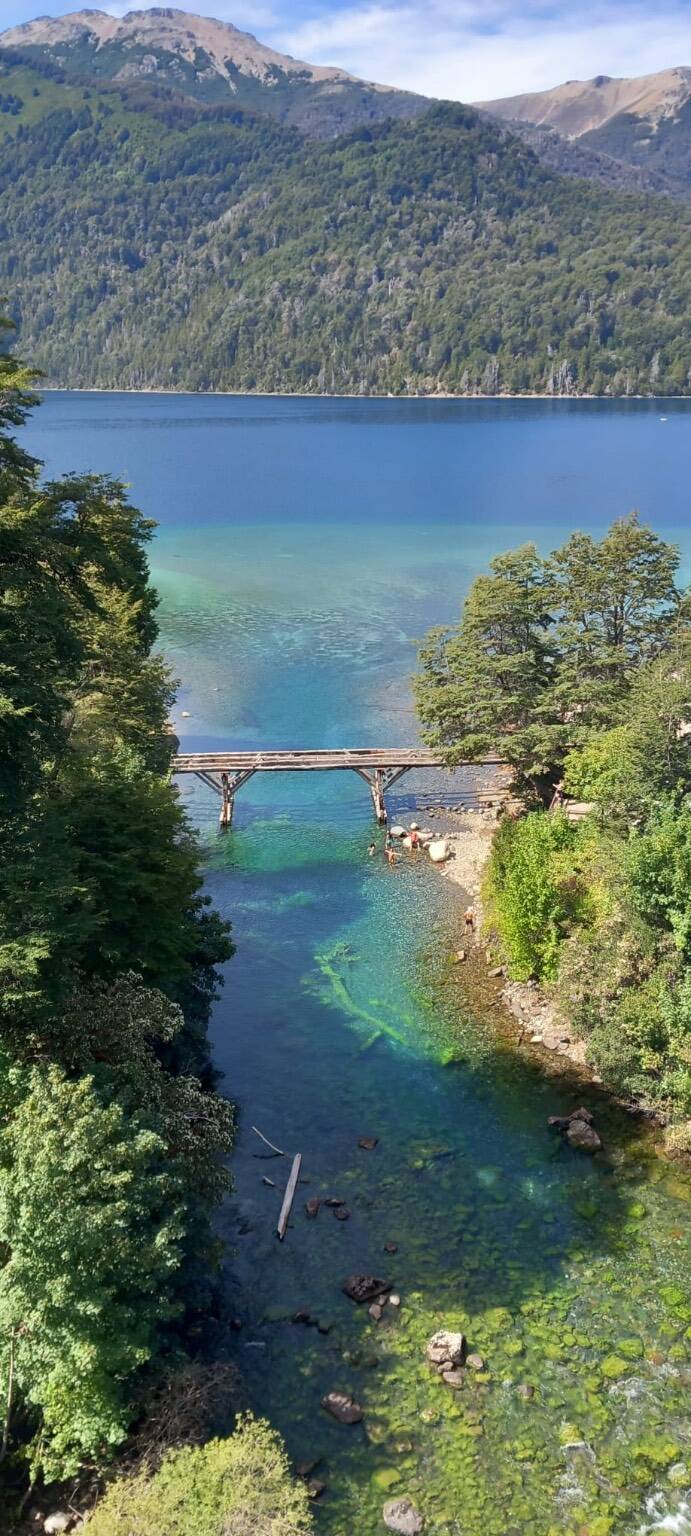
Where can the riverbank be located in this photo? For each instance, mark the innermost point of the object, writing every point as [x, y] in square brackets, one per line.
[537, 1021]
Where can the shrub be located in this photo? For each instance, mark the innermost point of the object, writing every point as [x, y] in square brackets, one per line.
[533, 888]
[241, 1486]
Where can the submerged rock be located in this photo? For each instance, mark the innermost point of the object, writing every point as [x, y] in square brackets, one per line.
[368, 1143]
[342, 1407]
[312, 1206]
[578, 1129]
[306, 1468]
[445, 1347]
[400, 1515]
[342, 1213]
[583, 1136]
[363, 1288]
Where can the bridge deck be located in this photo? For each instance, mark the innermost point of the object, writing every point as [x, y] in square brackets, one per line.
[369, 758]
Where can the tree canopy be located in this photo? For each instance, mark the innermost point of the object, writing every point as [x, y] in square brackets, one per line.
[550, 651]
[112, 1152]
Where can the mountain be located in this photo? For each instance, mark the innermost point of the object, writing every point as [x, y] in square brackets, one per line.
[212, 62]
[152, 239]
[644, 123]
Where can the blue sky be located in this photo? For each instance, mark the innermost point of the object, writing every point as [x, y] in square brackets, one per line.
[465, 49]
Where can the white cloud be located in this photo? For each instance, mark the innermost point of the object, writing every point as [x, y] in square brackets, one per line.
[475, 49]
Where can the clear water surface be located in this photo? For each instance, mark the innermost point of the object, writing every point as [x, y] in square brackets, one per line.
[302, 548]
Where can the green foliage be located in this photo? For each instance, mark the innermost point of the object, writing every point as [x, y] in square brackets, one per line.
[483, 683]
[428, 254]
[533, 890]
[241, 1486]
[92, 1220]
[112, 1153]
[660, 872]
[583, 662]
[548, 652]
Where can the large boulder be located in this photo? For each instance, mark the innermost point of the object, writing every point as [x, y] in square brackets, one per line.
[446, 1349]
[439, 850]
[401, 1516]
[363, 1288]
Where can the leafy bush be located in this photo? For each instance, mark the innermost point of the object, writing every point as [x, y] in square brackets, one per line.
[241, 1486]
[533, 889]
[660, 872]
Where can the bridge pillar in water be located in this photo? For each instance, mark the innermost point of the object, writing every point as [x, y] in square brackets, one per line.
[227, 803]
[377, 788]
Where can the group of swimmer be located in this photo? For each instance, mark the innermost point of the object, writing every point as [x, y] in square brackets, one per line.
[390, 853]
[414, 842]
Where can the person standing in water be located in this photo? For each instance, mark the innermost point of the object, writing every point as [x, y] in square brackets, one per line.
[469, 921]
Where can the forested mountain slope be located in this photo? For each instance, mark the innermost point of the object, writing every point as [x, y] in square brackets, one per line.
[149, 241]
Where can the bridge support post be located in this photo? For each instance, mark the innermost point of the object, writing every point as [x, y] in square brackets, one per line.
[377, 788]
[225, 819]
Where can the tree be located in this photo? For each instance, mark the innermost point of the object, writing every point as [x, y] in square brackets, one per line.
[547, 652]
[617, 608]
[485, 687]
[91, 1218]
[241, 1486]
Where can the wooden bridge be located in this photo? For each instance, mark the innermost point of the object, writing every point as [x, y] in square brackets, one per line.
[380, 767]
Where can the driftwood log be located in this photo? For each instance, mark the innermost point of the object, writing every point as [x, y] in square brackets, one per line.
[289, 1196]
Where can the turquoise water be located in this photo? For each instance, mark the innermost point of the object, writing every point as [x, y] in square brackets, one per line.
[303, 546]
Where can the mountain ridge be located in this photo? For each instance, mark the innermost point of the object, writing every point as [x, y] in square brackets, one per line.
[643, 122]
[211, 61]
[583, 106]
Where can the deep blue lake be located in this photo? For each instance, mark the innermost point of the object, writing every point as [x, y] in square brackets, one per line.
[303, 547]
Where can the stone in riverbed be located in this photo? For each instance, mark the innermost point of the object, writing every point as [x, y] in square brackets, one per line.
[453, 1378]
[333, 1200]
[368, 1143]
[391, 1247]
[475, 1362]
[578, 1129]
[582, 1136]
[54, 1524]
[445, 1346]
[375, 1311]
[401, 1516]
[315, 1488]
[394, 1299]
[525, 1391]
[306, 1468]
[363, 1288]
[342, 1407]
[312, 1206]
[342, 1213]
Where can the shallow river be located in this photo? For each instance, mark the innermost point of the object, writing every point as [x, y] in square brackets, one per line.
[302, 548]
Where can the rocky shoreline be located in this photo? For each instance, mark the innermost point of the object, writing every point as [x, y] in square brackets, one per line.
[470, 834]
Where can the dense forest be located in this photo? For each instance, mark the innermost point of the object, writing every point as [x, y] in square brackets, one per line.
[147, 241]
[577, 670]
[112, 1140]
